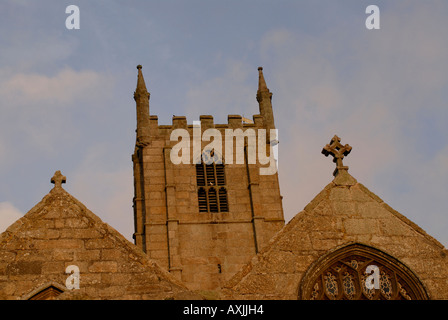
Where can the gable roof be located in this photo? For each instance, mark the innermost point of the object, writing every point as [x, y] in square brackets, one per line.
[344, 212]
[60, 231]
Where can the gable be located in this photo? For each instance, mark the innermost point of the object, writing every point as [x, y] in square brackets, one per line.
[60, 232]
[343, 273]
[49, 291]
[344, 212]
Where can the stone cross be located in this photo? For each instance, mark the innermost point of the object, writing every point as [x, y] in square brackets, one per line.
[58, 179]
[338, 151]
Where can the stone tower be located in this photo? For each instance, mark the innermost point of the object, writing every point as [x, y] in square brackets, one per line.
[204, 220]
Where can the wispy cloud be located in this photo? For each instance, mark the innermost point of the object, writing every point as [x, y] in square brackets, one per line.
[383, 92]
[105, 187]
[224, 94]
[8, 215]
[60, 89]
[374, 101]
[43, 110]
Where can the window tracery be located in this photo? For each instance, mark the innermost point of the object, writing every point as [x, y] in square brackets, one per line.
[341, 275]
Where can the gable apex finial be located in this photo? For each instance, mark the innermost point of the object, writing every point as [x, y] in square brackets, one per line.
[338, 151]
[58, 179]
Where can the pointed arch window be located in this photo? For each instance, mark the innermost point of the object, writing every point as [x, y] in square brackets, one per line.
[211, 182]
[341, 275]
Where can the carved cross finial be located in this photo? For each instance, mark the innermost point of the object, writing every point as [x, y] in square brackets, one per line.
[58, 179]
[338, 151]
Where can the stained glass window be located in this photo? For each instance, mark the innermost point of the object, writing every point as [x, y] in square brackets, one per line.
[341, 275]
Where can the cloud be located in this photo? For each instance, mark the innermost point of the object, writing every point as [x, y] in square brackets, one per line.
[8, 215]
[45, 112]
[425, 198]
[105, 187]
[226, 94]
[374, 101]
[61, 89]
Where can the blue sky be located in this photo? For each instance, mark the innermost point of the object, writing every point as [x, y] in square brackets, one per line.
[66, 95]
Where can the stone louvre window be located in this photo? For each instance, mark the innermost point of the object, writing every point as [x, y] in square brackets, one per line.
[211, 182]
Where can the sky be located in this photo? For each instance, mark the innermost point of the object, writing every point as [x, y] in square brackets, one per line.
[66, 95]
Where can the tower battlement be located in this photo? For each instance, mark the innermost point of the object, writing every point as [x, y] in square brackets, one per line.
[206, 121]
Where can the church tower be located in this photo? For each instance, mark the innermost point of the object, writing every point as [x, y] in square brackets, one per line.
[203, 220]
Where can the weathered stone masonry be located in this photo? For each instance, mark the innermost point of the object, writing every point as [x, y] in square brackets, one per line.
[203, 249]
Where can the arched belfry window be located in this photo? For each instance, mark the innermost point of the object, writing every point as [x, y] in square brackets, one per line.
[341, 275]
[211, 182]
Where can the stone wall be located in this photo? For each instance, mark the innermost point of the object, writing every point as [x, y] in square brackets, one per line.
[60, 232]
[344, 212]
[202, 249]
